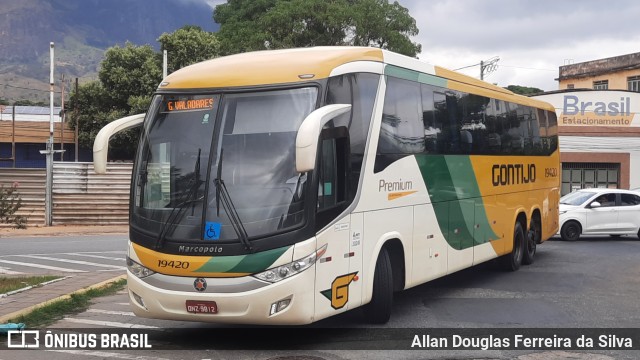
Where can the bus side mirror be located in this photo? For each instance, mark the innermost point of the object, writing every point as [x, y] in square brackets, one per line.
[101, 143]
[309, 133]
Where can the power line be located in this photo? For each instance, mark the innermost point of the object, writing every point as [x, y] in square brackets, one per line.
[26, 88]
[528, 68]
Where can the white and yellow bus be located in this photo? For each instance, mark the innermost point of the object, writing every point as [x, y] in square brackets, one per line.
[287, 186]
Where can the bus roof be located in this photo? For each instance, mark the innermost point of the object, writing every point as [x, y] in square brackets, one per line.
[268, 67]
[284, 66]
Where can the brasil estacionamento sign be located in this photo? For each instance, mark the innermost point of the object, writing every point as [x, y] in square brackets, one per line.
[595, 108]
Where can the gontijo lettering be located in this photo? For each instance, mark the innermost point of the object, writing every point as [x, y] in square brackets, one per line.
[573, 106]
[513, 174]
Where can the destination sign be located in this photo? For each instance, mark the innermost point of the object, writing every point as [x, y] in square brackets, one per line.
[187, 105]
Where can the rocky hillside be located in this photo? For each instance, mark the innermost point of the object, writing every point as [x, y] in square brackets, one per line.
[81, 30]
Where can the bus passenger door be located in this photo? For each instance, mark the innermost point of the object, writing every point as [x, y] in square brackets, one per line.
[333, 276]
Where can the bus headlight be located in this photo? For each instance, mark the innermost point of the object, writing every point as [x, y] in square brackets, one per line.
[284, 271]
[137, 269]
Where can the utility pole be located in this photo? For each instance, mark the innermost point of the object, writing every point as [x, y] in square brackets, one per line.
[48, 200]
[62, 118]
[75, 112]
[164, 64]
[49, 151]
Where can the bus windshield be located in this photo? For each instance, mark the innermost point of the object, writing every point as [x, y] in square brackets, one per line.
[195, 144]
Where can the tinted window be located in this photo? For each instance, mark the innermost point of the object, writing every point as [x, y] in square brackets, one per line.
[402, 126]
[629, 200]
[426, 119]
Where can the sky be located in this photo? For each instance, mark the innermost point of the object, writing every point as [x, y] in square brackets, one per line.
[532, 38]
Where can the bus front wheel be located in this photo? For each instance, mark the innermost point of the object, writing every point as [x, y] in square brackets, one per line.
[513, 260]
[378, 311]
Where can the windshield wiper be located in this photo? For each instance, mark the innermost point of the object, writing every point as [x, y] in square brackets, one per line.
[223, 194]
[177, 211]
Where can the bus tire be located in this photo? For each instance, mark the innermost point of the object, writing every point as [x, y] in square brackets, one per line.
[378, 311]
[570, 231]
[513, 260]
[533, 238]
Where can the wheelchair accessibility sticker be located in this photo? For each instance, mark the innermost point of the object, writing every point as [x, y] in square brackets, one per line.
[212, 230]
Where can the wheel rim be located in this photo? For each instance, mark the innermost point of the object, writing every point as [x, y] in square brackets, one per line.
[572, 231]
[519, 237]
[531, 244]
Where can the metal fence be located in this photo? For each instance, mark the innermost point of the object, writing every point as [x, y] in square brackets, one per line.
[80, 196]
[31, 184]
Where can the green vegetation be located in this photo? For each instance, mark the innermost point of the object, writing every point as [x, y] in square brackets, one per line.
[127, 78]
[247, 25]
[524, 90]
[8, 284]
[10, 203]
[76, 303]
[188, 45]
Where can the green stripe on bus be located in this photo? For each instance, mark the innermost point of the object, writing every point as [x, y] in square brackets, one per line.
[457, 200]
[252, 263]
[412, 75]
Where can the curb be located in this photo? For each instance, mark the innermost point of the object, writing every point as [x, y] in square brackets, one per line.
[15, 314]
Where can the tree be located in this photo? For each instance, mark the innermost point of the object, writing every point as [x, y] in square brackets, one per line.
[524, 90]
[188, 45]
[247, 25]
[96, 108]
[130, 71]
[128, 77]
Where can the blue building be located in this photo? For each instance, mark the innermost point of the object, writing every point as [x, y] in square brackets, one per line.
[24, 132]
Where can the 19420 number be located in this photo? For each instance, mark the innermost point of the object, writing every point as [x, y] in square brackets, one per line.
[173, 264]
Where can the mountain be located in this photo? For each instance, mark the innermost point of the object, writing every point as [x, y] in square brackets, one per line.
[81, 30]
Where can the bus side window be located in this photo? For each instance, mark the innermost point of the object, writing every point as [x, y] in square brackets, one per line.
[442, 118]
[432, 128]
[552, 131]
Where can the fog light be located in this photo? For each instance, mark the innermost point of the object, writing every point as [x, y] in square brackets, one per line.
[278, 306]
[138, 299]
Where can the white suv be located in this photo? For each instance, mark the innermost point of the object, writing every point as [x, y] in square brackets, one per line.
[599, 212]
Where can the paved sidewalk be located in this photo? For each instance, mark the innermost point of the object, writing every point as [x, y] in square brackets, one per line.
[21, 303]
[64, 230]
[24, 302]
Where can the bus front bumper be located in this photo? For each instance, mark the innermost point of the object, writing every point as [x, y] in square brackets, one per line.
[255, 306]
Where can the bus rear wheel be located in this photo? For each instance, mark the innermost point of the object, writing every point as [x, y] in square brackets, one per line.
[378, 311]
[513, 260]
[533, 238]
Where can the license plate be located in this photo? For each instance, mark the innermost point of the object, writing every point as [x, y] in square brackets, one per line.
[202, 307]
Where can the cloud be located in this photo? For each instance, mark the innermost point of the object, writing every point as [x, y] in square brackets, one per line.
[532, 39]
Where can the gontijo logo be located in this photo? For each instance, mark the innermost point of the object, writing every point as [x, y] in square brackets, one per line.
[513, 174]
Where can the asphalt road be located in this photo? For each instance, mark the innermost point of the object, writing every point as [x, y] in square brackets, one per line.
[63, 254]
[590, 283]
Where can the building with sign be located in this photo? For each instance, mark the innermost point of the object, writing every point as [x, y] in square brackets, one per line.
[598, 108]
[599, 137]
